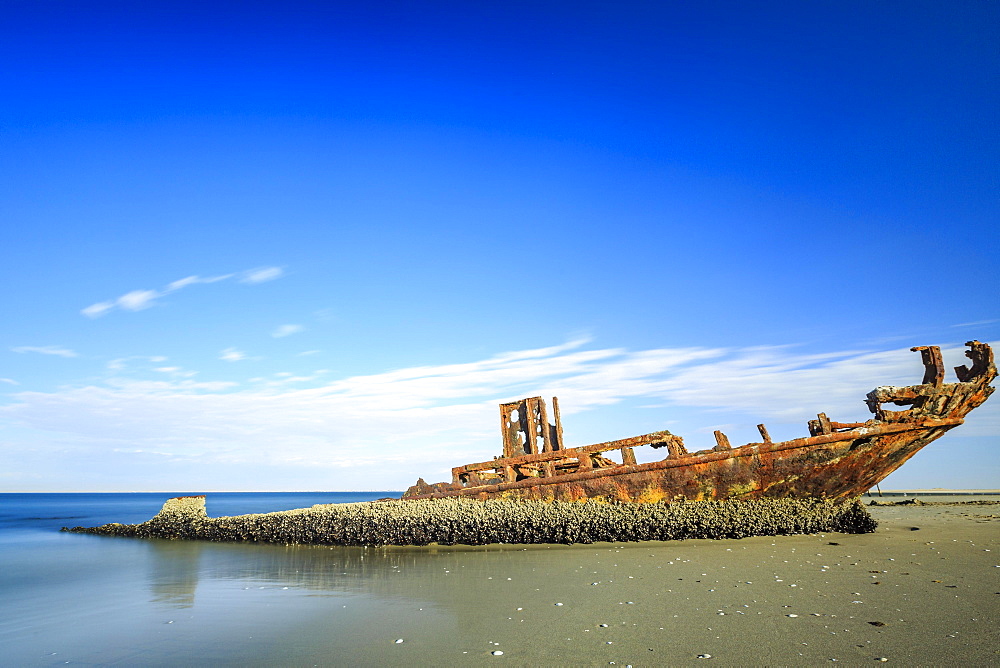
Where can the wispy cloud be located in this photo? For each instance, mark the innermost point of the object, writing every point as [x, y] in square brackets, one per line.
[261, 275]
[98, 309]
[428, 418]
[121, 363]
[176, 371]
[138, 300]
[232, 355]
[9, 381]
[194, 280]
[977, 323]
[46, 350]
[286, 330]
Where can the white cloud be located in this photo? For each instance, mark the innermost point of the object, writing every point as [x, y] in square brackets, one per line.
[194, 280]
[232, 355]
[138, 300]
[261, 275]
[98, 309]
[46, 350]
[9, 381]
[287, 330]
[182, 283]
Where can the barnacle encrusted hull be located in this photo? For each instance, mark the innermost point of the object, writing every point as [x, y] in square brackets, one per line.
[837, 461]
[465, 521]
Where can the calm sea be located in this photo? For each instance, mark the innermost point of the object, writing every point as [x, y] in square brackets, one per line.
[92, 600]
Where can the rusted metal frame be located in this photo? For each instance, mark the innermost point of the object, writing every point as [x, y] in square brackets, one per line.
[655, 437]
[513, 446]
[542, 428]
[933, 385]
[507, 431]
[913, 396]
[821, 425]
[557, 443]
[861, 432]
[933, 364]
[628, 457]
[887, 394]
[846, 425]
[533, 420]
[531, 424]
[982, 362]
[824, 425]
[675, 447]
[707, 457]
[721, 441]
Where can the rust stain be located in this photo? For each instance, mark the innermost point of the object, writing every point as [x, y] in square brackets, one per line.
[838, 460]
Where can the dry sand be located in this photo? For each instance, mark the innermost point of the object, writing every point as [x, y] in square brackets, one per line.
[924, 589]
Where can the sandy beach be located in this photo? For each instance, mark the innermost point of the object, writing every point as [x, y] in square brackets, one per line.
[923, 590]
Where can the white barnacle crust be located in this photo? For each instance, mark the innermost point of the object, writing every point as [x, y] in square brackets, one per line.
[463, 521]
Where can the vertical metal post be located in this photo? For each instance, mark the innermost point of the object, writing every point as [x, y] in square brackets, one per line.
[933, 364]
[763, 433]
[628, 457]
[543, 427]
[558, 442]
[531, 425]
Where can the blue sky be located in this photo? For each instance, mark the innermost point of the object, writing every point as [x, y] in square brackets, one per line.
[310, 246]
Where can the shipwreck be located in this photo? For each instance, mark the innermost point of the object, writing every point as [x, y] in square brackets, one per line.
[838, 461]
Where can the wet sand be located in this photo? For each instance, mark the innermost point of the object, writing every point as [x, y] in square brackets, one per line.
[923, 590]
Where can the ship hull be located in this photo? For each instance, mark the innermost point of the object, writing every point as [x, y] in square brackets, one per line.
[836, 466]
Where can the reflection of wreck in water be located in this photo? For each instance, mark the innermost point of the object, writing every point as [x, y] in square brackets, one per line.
[837, 461]
[178, 567]
[173, 573]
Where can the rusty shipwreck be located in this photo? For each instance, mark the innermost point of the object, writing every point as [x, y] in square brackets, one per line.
[837, 461]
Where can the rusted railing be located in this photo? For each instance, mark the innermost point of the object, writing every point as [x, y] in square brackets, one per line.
[562, 461]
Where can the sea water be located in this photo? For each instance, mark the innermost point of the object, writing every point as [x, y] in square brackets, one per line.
[77, 599]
